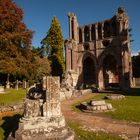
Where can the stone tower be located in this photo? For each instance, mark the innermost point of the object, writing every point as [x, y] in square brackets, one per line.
[100, 52]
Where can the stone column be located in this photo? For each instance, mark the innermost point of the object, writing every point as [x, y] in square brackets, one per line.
[102, 30]
[53, 97]
[90, 34]
[83, 37]
[101, 79]
[96, 32]
[44, 84]
[70, 30]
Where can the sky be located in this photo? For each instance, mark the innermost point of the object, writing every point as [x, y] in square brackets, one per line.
[39, 13]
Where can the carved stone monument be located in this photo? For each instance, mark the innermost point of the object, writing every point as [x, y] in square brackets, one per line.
[43, 119]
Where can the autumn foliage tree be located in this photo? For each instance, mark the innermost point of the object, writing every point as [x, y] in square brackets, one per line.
[53, 42]
[16, 56]
[15, 39]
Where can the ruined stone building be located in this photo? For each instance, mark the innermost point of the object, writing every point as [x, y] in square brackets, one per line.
[100, 52]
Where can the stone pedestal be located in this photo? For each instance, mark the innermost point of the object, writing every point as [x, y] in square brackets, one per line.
[96, 106]
[43, 119]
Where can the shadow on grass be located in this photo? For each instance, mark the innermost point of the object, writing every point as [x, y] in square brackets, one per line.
[10, 125]
[132, 92]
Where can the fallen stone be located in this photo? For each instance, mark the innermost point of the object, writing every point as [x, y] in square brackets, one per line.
[96, 103]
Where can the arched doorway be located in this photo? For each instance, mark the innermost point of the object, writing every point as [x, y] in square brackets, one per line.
[110, 72]
[89, 74]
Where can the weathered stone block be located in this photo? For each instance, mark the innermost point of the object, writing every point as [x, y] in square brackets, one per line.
[96, 103]
[43, 119]
[109, 106]
[115, 97]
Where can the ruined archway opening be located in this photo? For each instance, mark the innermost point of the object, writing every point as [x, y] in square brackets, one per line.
[110, 72]
[106, 29]
[86, 34]
[80, 35]
[89, 75]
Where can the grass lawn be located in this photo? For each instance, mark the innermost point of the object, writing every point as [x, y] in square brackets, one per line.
[9, 122]
[127, 109]
[12, 96]
[82, 134]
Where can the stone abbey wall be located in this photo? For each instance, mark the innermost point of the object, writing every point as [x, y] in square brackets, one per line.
[100, 52]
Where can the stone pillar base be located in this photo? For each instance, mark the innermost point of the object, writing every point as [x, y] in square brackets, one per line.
[64, 133]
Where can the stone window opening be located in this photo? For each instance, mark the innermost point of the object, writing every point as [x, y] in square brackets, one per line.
[89, 73]
[114, 28]
[110, 72]
[80, 35]
[106, 43]
[72, 29]
[86, 47]
[93, 32]
[86, 34]
[99, 31]
[106, 29]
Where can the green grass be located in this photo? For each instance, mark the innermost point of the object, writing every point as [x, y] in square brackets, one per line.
[82, 134]
[127, 109]
[12, 96]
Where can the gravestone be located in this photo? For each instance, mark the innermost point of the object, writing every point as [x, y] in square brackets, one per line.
[2, 89]
[43, 119]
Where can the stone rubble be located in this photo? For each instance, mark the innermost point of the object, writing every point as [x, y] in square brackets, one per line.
[69, 86]
[96, 106]
[115, 97]
[43, 119]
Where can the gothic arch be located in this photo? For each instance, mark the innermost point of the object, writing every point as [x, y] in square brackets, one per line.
[108, 74]
[106, 29]
[104, 54]
[82, 57]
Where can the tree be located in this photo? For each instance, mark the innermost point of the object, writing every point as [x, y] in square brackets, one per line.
[53, 44]
[15, 39]
[136, 66]
[42, 67]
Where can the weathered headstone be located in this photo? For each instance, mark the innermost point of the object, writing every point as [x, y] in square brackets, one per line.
[43, 119]
[2, 89]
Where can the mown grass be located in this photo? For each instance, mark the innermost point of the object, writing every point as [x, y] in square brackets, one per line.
[9, 123]
[82, 134]
[127, 109]
[12, 96]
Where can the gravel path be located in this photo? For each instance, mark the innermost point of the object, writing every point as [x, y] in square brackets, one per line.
[94, 121]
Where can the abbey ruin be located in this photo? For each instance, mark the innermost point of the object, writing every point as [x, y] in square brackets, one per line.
[100, 52]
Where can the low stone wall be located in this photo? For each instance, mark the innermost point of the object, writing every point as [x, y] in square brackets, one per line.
[67, 94]
[13, 107]
[19, 107]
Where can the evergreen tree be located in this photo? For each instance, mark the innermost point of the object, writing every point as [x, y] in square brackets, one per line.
[53, 44]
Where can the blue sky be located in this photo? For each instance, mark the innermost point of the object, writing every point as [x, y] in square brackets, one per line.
[38, 15]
